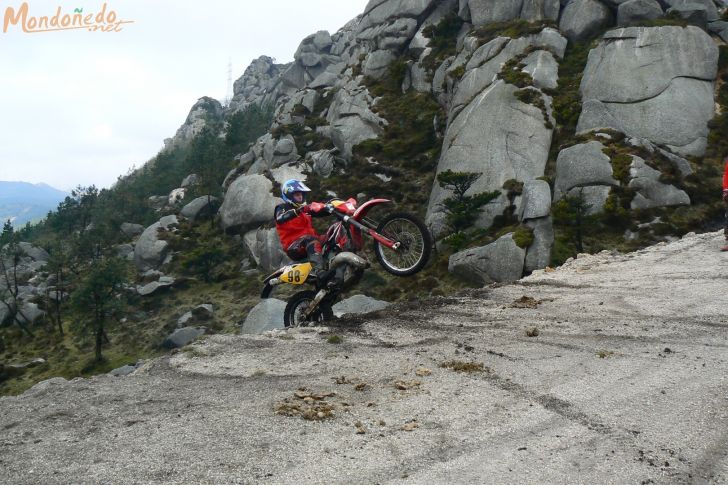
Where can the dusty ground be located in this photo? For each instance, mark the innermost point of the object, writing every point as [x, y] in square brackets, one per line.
[626, 382]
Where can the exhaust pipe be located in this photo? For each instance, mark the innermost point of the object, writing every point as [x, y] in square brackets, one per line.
[348, 258]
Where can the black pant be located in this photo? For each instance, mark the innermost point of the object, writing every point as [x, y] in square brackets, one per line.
[306, 247]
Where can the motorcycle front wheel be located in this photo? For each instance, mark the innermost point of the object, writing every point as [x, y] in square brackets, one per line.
[415, 244]
[298, 304]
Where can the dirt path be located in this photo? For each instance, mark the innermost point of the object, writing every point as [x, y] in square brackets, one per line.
[626, 382]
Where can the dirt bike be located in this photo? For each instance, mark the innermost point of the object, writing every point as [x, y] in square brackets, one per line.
[402, 245]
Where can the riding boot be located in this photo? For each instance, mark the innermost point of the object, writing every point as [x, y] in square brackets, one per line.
[322, 274]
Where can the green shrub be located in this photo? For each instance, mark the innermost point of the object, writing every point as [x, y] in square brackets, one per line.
[523, 237]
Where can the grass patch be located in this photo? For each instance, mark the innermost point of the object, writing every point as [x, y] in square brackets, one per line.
[512, 29]
[334, 339]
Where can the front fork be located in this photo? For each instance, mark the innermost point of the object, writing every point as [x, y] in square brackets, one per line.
[315, 303]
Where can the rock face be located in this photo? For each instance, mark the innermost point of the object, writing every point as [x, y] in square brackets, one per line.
[150, 250]
[482, 12]
[266, 315]
[582, 19]
[154, 286]
[248, 202]
[201, 207]
[351, 118]
[650, 191]
[581, 166]
[518, 133]
[653, 83]
[634, 11]
[500, 261]
[202, 112]
[183, 336]
[517, 147]
[34, 252]
[258, 84]
[131, 230]
[265, 248]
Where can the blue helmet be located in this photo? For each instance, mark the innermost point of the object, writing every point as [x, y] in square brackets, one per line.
[291, 186]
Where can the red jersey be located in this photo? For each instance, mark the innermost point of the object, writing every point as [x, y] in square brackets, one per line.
[292, 223]
[725, 176]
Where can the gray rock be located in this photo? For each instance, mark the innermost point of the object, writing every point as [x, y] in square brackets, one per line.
[636, 11]
[125, 251]
[157, 202]
[381, 11]
[190, 180]
[543, 68]
[653, 83]
[594, 196]
[200, 313]
[582, 19]
[201, 207]
[377, 63]
[29, 313]
[358, 304]
[693, 13]
[538, 254]
[150, 250]
[204, 112]
[351, 118]
[323, 162]
[287, 172]
[677, 118]
[264, 247]
[34, 252]
[646, 61]
[500, 261]
[154, 286]
[678, 162]
[131, 230]
[536, 202]
[650, 191]
[516, 147]
[123, 371]
[419, 42]
[487, 61]
[183, 336]
[324, 80]
[266, 315]
[711, 12]
[582, 165]
[720, 28]
[488, 11]
[248, 202]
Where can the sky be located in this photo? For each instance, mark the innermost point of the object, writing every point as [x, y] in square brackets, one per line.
[81, 108]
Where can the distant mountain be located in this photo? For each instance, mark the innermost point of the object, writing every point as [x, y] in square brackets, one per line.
[23, 202]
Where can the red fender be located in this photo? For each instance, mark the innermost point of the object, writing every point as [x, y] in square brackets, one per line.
[364, 208]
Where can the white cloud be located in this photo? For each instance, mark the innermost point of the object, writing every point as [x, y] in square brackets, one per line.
[82, 108]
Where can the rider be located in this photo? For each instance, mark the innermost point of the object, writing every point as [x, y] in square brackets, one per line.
[295, 230]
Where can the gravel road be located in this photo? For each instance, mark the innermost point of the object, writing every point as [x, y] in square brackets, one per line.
[626, 381]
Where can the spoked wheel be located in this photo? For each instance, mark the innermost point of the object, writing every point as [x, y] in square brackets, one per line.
[297, 305]
[414, 247]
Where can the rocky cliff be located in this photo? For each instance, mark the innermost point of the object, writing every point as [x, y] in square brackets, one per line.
[609, 102]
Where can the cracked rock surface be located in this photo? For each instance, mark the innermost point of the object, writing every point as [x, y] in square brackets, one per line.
[624, 383]
[654, 83]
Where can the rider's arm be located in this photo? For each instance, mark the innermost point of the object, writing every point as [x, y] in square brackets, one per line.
[284, 215]
[316, 209]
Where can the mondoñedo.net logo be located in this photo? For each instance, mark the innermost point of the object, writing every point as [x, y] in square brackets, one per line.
[105, 20]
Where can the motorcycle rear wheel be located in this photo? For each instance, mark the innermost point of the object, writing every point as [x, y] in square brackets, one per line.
[298, 303]
[415, 244]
